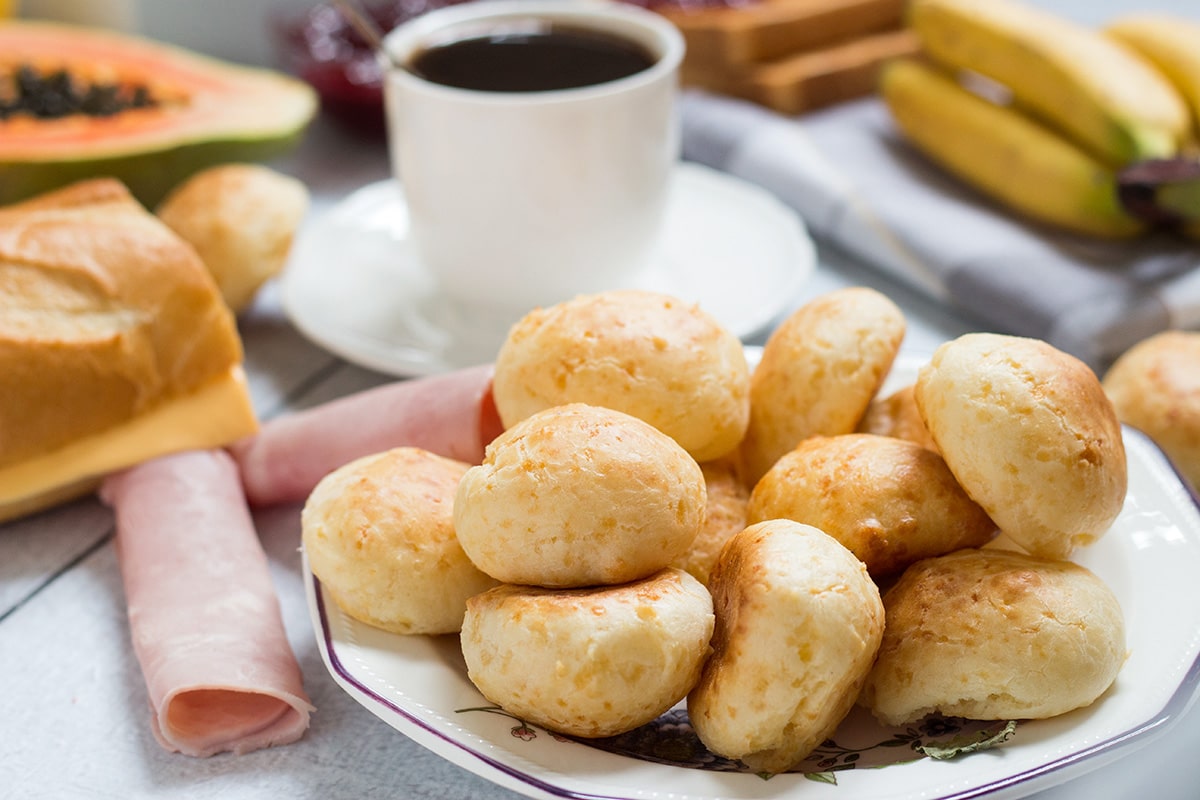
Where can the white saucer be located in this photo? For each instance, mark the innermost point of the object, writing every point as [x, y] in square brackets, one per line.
[353, 283]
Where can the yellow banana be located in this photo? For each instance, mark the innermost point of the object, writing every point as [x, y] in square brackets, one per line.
[1003, 153]
[1086, 84]
[1170, 43]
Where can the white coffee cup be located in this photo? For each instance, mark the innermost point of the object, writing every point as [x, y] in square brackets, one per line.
[519, 199]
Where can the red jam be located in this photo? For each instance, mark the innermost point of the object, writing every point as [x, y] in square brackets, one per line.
[324, 49]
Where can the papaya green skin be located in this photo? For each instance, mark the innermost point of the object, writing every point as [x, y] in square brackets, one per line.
[149, 175]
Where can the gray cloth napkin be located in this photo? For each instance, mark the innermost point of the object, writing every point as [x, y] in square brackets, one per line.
[861, 189]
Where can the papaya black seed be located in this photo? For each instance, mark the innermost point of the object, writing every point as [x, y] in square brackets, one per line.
[58, 93]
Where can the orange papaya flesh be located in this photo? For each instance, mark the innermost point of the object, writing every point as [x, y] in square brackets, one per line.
[178, 111]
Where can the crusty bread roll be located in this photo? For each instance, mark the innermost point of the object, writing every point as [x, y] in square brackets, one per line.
[241, 218]
[995, 634]
[896, 415]
[589, 662]
[724, 515]
[647, 354]
[1029, 433]
[818, 373]
[1155, 387]
[889, 501]
[379, 534]
[798, 624]
[115, 346]
[579, 495]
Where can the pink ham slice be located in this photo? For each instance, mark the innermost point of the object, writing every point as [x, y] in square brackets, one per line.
[451, 414]
[203, 613]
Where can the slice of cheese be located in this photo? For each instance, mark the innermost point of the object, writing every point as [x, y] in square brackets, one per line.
[217, 414]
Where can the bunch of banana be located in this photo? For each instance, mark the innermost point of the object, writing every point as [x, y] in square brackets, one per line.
[1078, 107]
[1007, 155]
[1077, 79]
[1173, 46]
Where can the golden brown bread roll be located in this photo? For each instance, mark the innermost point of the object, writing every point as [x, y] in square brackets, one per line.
[818, 373]
[241, 218]
[579, 495]
[798, 624]
[379, 534]
[896, 415]
[646, 354]
[1155, 387]
[1029, 433]
[589, 662]
[724, 515]
[889, 501]
[994, 634]
[115, 346]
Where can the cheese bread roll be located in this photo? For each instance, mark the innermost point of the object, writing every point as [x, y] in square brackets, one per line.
[798, 624]
[379, 534]
[896, 415]
[724, 515]
[241, 218]
[1155, 387]
[579, 495]
[1030, 434]
[995, 634]
[818, 373]
[589, 662]
[647, 354]
[889, 501]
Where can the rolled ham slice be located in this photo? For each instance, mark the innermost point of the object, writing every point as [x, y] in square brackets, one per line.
[203, 614]
[451, 414]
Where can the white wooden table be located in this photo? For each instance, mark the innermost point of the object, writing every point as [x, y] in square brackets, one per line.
[74, 720]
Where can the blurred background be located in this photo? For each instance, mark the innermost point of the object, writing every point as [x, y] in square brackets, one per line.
[240, 30]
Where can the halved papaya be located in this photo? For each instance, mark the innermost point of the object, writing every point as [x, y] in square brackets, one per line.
[79, 103]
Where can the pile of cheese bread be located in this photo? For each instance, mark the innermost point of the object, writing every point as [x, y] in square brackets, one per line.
[790, 55]
[660, 521]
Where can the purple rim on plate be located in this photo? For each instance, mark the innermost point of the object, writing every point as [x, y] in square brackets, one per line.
[348, 677]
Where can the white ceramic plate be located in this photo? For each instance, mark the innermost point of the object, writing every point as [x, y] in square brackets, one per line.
[1150, 558]
[354, 285]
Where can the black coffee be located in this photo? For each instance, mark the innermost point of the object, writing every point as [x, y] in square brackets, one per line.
[545, 60]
